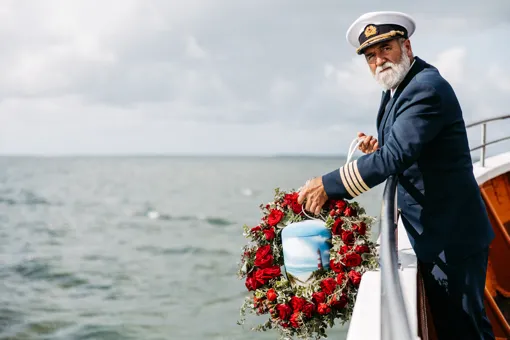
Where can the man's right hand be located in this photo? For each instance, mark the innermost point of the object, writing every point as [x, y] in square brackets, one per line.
[368, 143]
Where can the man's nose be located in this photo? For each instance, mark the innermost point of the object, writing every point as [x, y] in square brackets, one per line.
[379, 61]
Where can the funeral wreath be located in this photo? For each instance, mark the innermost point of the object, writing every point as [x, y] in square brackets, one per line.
[297, 307]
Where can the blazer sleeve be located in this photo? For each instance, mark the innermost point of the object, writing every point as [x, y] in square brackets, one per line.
[419, 120]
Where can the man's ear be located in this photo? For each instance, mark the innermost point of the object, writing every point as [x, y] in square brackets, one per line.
[407, 44]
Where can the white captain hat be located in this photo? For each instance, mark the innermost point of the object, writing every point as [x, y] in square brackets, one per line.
[375, 27]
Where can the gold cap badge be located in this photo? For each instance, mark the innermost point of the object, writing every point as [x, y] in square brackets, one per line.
[370, 30]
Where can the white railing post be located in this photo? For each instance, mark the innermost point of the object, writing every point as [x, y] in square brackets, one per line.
[484, 140]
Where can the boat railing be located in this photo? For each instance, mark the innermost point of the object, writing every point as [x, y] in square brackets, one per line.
[484, 143]
[395, 323]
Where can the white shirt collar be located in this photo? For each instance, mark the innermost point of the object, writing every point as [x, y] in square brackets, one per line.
[392, 91]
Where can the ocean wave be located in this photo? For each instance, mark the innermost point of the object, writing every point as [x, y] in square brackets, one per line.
[89, 332]
[39, 269]
[9, 317]
[223, 300]
[212, 220]
[182, 250]
[24, 197]
[47, 327]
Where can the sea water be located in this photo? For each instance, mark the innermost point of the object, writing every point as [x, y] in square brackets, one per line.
[136, 247]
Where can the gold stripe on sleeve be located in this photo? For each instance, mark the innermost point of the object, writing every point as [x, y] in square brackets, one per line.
[358, 175]
[355, 178]
[346, 184]
[350, 181]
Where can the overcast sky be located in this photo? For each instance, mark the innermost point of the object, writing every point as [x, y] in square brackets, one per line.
[223, 76]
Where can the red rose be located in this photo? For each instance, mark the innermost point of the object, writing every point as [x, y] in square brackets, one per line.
[360, 228]
[297, 208]
[362, 249]
[336, 228]
[323, 309]
[344, 250]
[295, 320]
[297, 303]
[340, 205]
[275, 216]
[336, 266]
[319, 297]
[349, 211]
[339, 303]
[308, 309]
[352, 260]
[269, 273]
[271, 295]
[251, 283]
[288, 199]
[263, 257]
[255, 229]
[328, 285]
[355, 277]
[291, 201]
[269, 233]
[330, 203]
[340, 278]
[348, 237]
[284, 311]
[263, 275]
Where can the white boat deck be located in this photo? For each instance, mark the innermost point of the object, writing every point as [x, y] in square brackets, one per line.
[494, 166]
[367, 310]
[368, 304]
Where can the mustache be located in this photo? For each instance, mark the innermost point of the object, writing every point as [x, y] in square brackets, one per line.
[384, 66]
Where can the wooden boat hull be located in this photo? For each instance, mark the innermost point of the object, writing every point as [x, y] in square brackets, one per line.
[496, 194]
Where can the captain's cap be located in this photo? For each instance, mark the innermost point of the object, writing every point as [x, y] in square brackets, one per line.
[375, 27]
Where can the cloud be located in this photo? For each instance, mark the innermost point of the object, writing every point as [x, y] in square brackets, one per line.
[193, 49]
[267, 77]
[451, 64]
[500, 78]
[296, 248]
[319, 239]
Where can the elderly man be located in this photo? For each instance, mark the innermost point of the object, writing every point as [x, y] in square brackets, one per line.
[422, 139]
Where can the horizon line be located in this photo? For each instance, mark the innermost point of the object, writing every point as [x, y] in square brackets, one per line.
[169, 155]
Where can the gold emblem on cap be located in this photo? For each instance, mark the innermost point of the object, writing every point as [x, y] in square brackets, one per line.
[370, 30]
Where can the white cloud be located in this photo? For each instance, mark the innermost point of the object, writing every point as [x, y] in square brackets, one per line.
[450, 64]
[500, 78]
[282, 90]
[267, 77]
[319, 239]
[193, 49]
[296, 248]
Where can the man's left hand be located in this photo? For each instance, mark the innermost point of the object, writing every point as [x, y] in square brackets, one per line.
[314, 195]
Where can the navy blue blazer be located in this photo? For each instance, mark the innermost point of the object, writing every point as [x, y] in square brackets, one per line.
[423, 140]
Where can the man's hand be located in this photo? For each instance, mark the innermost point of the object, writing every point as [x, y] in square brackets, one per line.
[369, 144]
[314, 195]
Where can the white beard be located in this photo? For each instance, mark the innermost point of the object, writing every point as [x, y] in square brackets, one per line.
[391, 77]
